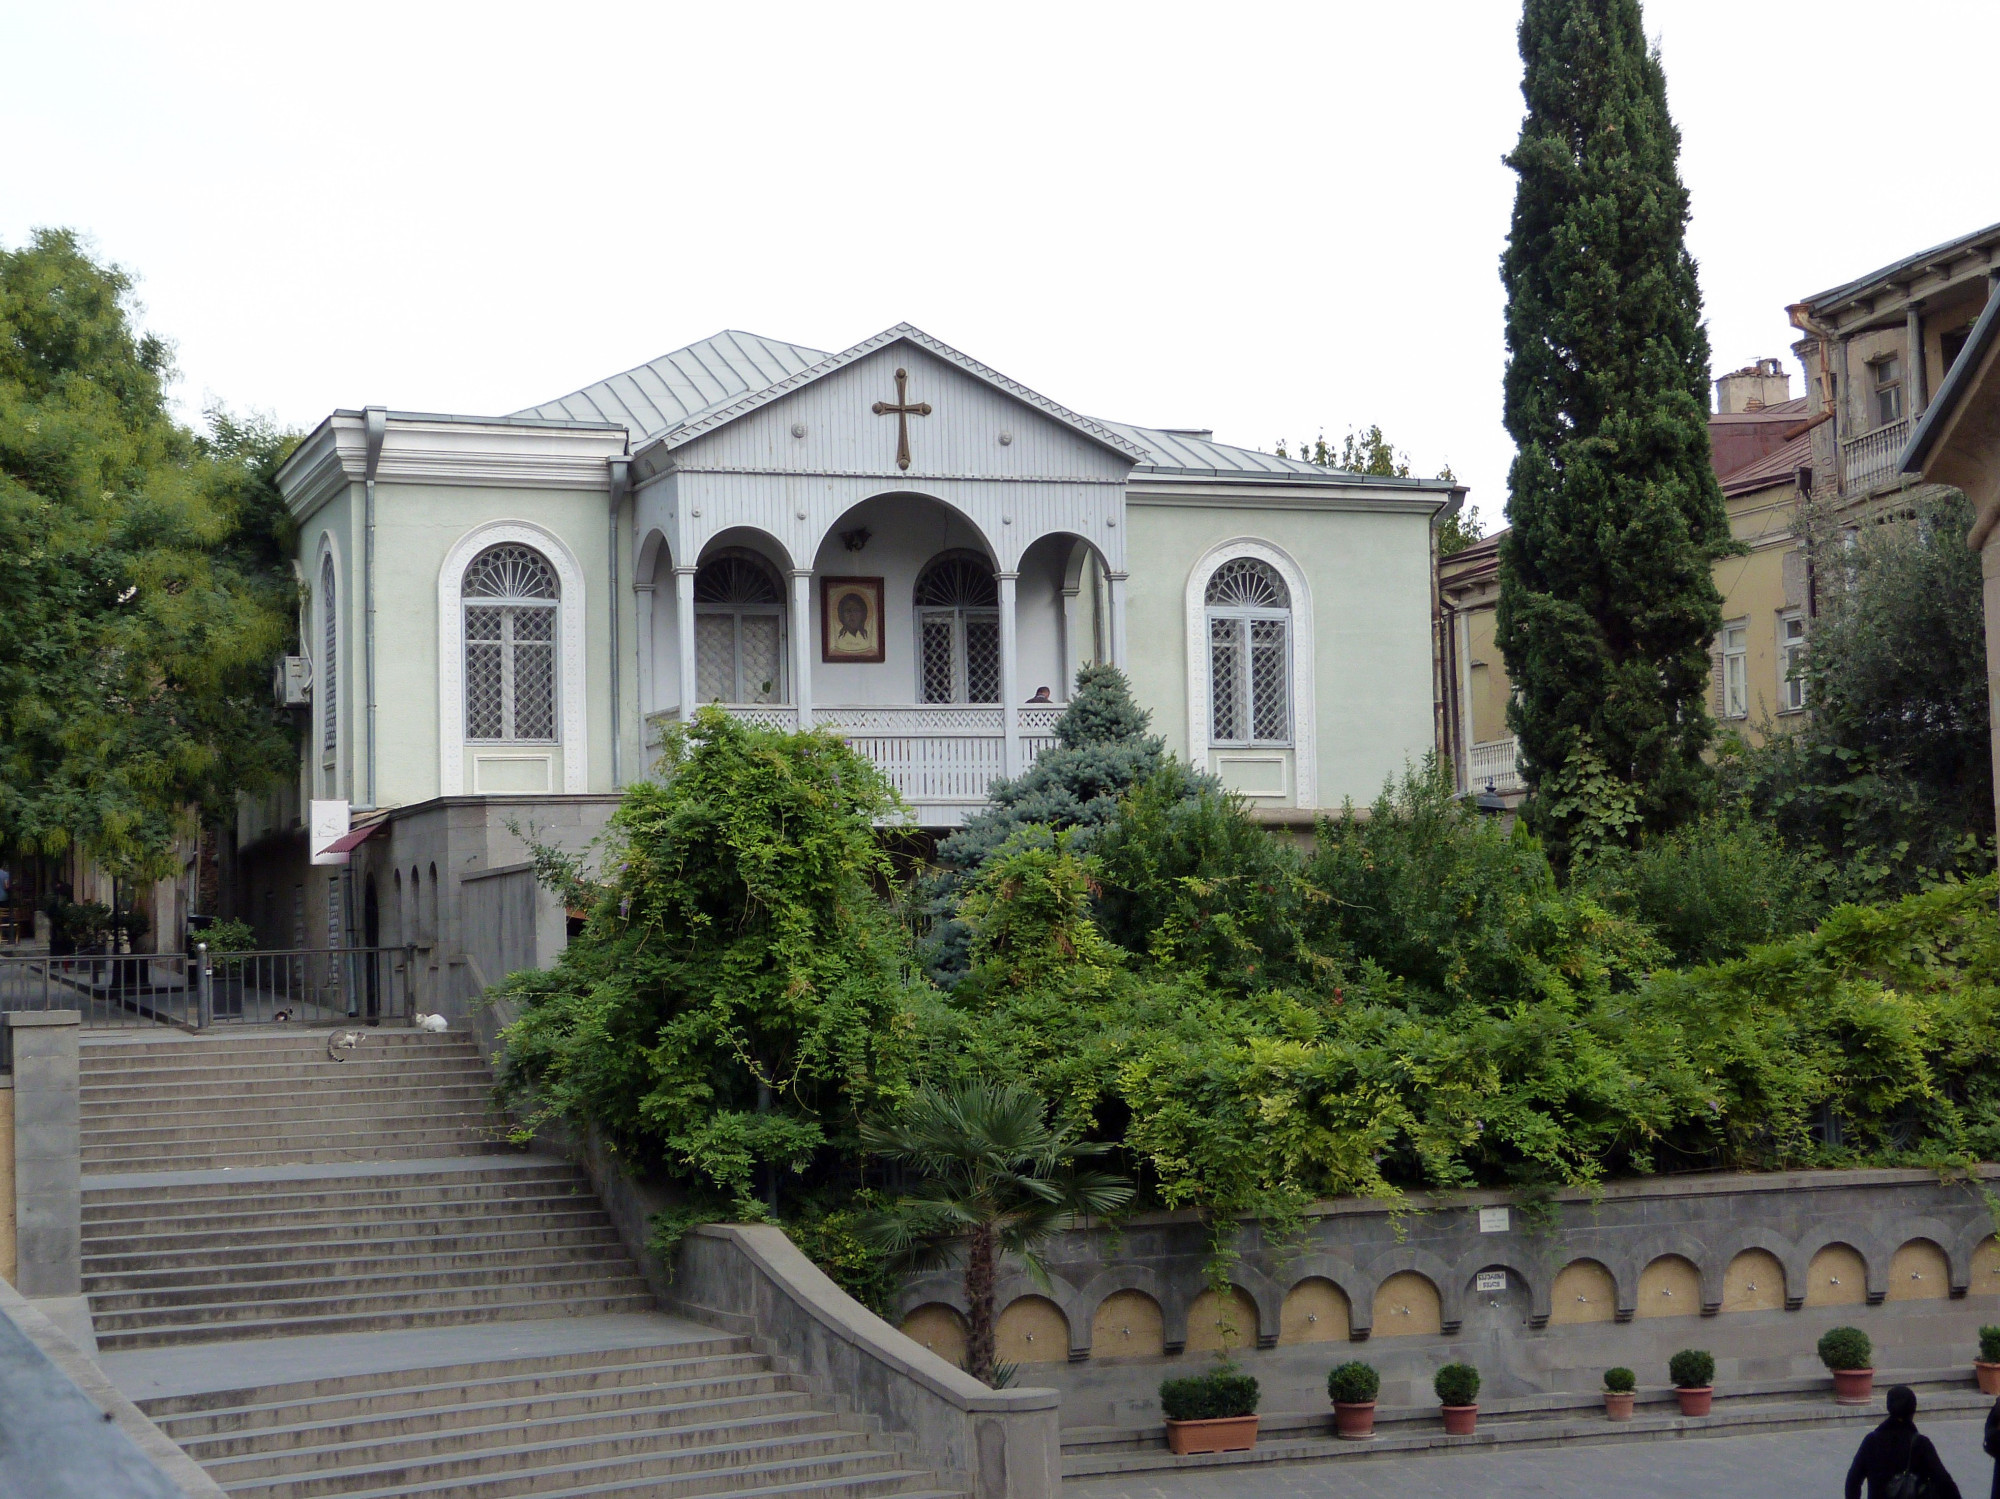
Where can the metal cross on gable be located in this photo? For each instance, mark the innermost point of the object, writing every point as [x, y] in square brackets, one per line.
[903, 410]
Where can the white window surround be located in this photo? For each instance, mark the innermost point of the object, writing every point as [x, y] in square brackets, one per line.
[329, 774]
[1304, 673]
[569, 653]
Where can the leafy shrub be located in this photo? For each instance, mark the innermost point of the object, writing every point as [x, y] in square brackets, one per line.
[1710, 891]
[832, 1242]
[1845, 1348]
[1691, 1369]
[228, 936]
[1221, 1393]
[1353, 1383]
[1989, 1345]
[1456, 1384]
[1620, 1381]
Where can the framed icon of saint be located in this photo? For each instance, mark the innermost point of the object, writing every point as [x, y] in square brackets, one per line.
[850, 619]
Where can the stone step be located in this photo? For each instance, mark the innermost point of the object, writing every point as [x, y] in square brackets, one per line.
[281, 1323]
[343, 1151]
[209, 1077]
[452, 1182]
[727, 1469]
[304, 1124]
[357, 1233]
[99, 1050]
[164, 1285]
[478, 1451]
[499, 1378]
[707, 1391]
[419, 1277]
[244, 1104]
[131, 1272]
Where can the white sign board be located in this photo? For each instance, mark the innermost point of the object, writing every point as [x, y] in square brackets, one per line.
[326, 822]
[1491, 1280]
[1491, 1220]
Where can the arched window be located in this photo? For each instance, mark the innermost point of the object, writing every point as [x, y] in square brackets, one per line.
[328, 691]
[510, 646]
[958, 630]
[1249, 654]
[739, 614]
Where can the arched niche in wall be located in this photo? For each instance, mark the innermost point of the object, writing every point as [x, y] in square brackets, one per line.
[1754, 1282]
[1984, 1279]
[1222, 1324]
[1837, 1276]
[1584, 1291]
[1407, 1305]
[1128, 1324]
[939, 1328]
[1919, 1271]
[1669, 1287]
[1315, 1311]
[1032, 1330]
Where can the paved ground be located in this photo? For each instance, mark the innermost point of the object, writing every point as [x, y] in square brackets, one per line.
[1800, 1465]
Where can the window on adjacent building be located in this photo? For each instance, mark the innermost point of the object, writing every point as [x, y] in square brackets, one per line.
[1249, 654]
[1792, 661]
[739, 614]
[958, 630]
[327, 689]
[510, 646]
[1888, 374]
[1736, 670]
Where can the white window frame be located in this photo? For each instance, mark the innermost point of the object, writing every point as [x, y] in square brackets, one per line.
[1242, 618]
[735, 614]
[1791, 657]
[1887, 372]
[326, 613]
[1735, 669]
[959, 617]
[1302, 676]
[509, 610]
[570, 618]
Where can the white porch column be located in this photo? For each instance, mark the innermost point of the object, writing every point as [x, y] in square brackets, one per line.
[1116, 583]
[802, 640]
[1010, 678]
[642, 606]
[684, 623]
[1065, 644]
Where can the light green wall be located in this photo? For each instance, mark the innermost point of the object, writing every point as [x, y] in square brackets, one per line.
[1370, 579]
[416, 525]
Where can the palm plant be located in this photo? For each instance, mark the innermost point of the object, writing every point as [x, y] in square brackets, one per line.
[994, 1177]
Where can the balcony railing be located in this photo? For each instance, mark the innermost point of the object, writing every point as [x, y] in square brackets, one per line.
[1496, 763]
[940, 758]
[1869, 461]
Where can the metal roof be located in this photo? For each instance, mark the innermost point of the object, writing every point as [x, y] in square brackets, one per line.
[678, 387]
[1951, 248]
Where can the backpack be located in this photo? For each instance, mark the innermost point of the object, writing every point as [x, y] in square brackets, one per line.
[1907, 1485]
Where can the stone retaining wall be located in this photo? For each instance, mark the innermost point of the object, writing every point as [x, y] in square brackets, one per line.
[1752, 1268]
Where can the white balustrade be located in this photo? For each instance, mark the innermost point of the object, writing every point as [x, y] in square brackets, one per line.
[1495, 762]
[1869, 461]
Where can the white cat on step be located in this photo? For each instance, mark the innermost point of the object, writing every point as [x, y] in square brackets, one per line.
[433, 1023]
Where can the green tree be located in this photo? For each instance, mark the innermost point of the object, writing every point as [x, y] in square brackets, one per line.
[739, 998]
[144, 575]
[994, 1177]
[1606, 600]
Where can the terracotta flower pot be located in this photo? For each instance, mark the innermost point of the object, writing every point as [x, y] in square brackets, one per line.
[1696, 1401]
[1853, 1386]
[1459, 1420]
[1618, 1404]
[1988, 1376]
[1225, 1434]
[1354, 1420]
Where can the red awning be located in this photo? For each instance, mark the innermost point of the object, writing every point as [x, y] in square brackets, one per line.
[349, 841]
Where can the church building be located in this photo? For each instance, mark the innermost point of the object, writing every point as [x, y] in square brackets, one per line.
[895, 542]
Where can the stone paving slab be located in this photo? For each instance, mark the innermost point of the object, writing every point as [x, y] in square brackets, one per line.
[188, 1369]
[1793, 1465]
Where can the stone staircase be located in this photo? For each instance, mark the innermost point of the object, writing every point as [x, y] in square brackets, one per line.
[269, 1233]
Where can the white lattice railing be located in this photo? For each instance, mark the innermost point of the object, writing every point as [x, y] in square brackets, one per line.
[934, 754]
[1870, 459]
[1496, 762]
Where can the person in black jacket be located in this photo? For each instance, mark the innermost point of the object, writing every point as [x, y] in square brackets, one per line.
[1895, 1447]
[1993, 1444]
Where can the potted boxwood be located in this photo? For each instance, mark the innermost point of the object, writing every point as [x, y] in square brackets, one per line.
[1849, 1354]
[1693, 1374]
[1987, 1366]
[1352, 1387]
[1620, 1389]
[1457, 1387]
[1212, 1412]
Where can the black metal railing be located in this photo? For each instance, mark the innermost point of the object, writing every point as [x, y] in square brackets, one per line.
[300, 986]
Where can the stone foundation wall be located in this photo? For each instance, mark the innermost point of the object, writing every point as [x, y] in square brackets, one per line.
[1541, 1299]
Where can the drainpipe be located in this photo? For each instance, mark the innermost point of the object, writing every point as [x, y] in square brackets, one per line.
[621, 483]
[376, 419]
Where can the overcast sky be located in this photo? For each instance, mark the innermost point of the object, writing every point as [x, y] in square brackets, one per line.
[1266, 219]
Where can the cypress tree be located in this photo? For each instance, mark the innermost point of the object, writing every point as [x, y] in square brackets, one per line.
[1606, 600]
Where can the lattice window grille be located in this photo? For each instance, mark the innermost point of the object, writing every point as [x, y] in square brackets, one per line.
[739, 629]
[510, 647]
[1249, 654]
[329, 670]
[958, 630]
